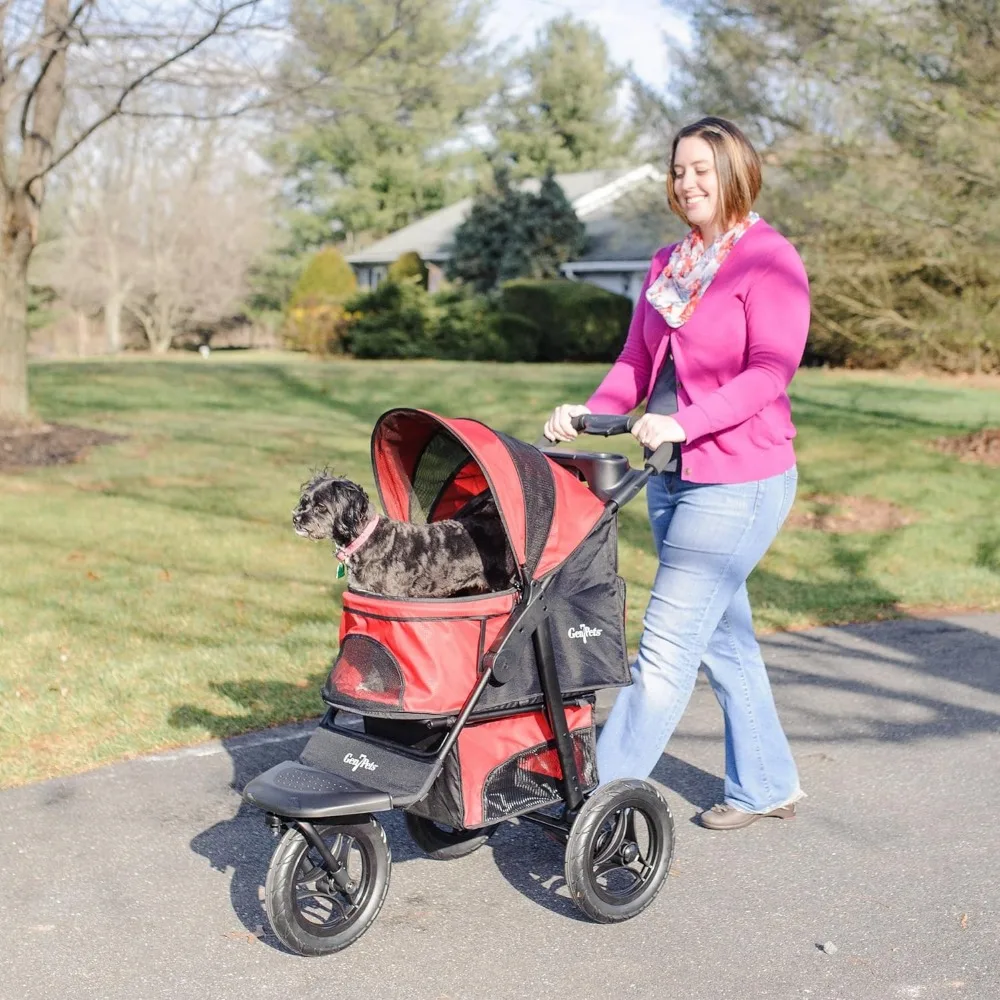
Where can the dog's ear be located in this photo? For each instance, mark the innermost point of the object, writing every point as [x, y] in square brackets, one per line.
[352, 512]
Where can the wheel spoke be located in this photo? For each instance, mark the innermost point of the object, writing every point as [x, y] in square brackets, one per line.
[313, 874]
[614, 865]
[313, 892]
[610, 847]
[630, 833]
[330, 894]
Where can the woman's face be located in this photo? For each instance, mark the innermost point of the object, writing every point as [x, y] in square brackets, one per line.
[696, 182]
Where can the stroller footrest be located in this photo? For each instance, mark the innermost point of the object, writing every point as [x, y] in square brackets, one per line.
[300, 792]
[360, 759]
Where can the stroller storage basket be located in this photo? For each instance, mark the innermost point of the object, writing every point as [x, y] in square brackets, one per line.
[506, 767]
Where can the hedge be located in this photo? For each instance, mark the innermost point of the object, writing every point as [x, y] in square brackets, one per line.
[563, 320]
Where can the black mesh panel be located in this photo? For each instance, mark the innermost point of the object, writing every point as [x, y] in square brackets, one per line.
[364, 674]
[534, 778]
[539, 491]
[439, 461]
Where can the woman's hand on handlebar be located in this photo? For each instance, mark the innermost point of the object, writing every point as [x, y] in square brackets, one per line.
[559, 427]
[653, 429]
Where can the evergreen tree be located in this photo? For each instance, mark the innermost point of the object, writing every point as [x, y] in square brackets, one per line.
[558, 105]
[375, 152]
[513, 233]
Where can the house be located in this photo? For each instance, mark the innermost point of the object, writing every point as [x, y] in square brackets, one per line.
[625, 213]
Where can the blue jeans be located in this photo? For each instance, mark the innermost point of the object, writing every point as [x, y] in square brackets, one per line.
[709, 538]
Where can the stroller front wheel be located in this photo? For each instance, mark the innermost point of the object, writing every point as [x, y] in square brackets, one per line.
[307, 910]
[619, 850]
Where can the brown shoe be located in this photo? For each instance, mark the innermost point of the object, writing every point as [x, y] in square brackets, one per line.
[723, 817]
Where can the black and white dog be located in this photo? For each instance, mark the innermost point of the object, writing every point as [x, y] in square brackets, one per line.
[460, 557]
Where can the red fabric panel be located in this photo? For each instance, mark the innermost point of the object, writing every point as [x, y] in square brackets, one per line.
[435, 643]
[577, 510]
[484, 746]
[468, 483]
[459, 607]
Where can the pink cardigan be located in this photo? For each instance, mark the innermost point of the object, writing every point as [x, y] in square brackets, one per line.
[734, 357]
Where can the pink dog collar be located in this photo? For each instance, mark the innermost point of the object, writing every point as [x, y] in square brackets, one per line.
[344, 554]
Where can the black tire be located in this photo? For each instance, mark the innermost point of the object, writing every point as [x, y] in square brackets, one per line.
[307, 911]
[619, 850]
[444, 843]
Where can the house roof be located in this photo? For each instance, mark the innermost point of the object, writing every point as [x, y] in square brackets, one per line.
[594, 195]
[630, 229]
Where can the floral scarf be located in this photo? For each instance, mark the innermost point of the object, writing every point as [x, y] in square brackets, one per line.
[689, 272]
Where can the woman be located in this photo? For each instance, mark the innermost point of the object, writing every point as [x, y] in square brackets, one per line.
[716, 337]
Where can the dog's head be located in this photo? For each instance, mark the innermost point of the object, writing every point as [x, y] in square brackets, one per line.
[331, 507]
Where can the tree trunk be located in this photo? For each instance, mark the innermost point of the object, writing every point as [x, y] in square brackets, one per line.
[113, 322]
[14, 332]
[82, 334]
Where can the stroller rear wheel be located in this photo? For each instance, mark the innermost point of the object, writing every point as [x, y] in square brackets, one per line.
[308, 912]
[446, 842]
[619, 850]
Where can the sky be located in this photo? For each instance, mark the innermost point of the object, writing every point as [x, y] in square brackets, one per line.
[633, 29]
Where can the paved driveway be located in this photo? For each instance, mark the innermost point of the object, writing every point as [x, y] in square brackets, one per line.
[142, 880]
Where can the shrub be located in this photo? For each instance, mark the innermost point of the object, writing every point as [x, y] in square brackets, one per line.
[511, 233]
[315, 319]
[520, 337]
[465, 327]
[316, 327]
[327, 276]
[409, 267]
[562, 321]
[393, 321]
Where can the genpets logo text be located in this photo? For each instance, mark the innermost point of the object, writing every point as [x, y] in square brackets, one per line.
[361, 761]
[584, 632]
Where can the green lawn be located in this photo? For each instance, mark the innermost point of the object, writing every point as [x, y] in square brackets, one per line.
[155, 594]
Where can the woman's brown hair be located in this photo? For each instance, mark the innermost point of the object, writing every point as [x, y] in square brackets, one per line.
[736, 162]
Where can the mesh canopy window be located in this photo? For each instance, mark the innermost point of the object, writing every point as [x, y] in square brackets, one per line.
[436, 468]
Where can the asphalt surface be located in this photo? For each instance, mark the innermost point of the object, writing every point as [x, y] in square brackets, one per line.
[142, 880]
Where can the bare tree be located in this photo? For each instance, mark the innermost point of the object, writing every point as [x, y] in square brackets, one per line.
[164, 223]
[200, 226]
[113, 54]
[91, 258]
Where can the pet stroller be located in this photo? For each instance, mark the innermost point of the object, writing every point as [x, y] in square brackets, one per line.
[466, 712]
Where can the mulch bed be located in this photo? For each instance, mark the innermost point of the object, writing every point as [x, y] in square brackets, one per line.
[49, 444]
[848, 515]
[979, 446]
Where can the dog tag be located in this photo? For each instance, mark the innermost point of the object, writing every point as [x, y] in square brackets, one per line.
[341, 570]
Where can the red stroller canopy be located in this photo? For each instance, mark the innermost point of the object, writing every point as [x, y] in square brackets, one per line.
[427, 467]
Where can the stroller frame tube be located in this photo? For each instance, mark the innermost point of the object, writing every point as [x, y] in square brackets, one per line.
[448, 743]
[542, 641]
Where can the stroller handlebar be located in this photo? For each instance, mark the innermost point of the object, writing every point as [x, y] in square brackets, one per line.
[604, 424]
[608, 425]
